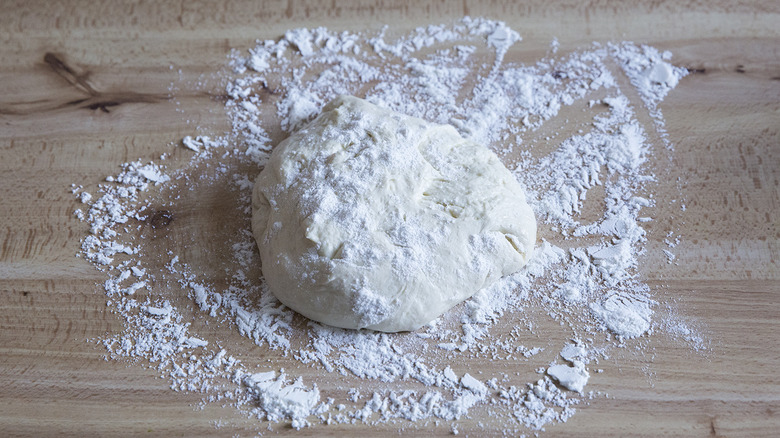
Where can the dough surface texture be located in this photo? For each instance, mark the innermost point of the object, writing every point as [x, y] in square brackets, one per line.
[368, 218]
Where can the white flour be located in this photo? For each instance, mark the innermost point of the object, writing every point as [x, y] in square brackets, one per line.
[585, 276]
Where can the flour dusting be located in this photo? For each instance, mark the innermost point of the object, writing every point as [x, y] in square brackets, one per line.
[588, 182]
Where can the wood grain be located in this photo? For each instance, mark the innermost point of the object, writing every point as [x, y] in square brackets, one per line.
[85, 86]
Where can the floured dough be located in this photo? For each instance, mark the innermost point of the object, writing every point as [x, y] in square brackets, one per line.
[368, 218]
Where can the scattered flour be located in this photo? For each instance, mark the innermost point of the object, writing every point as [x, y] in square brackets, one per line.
[571, 377]
[585, 275]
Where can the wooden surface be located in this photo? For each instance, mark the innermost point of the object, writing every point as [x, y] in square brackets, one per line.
[724, 120]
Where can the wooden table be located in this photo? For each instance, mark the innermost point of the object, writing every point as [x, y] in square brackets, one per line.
[61, 128]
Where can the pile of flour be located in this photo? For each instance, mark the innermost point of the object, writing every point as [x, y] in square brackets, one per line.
[585, 274]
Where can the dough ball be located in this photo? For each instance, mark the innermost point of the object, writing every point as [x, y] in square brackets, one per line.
[368, 218]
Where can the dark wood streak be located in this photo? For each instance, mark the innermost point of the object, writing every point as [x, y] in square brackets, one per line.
[95, 100]
[268, 90]
[161, 219]
[60, 67]
[218, 97]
